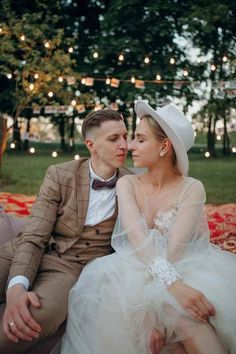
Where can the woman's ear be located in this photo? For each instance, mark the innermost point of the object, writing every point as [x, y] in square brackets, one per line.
[166, 146]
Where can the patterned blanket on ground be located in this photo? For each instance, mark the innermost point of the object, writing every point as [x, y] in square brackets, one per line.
[221, 218]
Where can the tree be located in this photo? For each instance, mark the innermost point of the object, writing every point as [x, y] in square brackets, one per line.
[34, 55]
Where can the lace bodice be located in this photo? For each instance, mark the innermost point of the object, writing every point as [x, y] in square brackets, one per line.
[165, 219]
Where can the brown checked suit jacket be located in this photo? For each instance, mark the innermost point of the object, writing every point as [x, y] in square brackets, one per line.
[58, 216]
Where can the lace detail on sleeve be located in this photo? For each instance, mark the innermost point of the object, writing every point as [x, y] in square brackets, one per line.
[161, 269]
[165, 219]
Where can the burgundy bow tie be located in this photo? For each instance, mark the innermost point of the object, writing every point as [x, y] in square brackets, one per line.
[98, 184]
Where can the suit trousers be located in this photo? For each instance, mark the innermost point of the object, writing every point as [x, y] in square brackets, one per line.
[52, 284]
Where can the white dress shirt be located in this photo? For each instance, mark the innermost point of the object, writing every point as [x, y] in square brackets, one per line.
[101, 206]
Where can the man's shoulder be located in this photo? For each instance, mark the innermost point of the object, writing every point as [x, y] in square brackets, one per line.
[68, 166]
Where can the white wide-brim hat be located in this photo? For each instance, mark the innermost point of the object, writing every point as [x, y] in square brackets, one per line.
[176, 126]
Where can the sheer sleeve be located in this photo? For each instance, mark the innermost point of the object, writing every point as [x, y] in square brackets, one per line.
[132, 223]
[189, 230]
[160, 253]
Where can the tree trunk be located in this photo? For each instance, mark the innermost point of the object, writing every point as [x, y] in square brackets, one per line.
[226, 141]
[71, 134]
[26, 141]
[62, 133]
[16, 129]
[3, 138]
[210, 137]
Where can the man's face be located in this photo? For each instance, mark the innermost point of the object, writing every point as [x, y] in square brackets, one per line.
[109, 144]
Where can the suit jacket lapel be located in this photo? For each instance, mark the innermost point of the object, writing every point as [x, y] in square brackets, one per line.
[82, 194]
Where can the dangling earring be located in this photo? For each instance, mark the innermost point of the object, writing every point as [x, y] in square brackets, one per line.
[162, 153]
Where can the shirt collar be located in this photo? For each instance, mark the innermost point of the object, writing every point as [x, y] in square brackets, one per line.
[93, 175]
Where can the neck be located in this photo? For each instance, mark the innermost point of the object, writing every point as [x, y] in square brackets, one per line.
[162, 178]
[102, 170]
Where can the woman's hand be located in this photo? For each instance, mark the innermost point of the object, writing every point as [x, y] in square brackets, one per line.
[157, 341]
[192, 300]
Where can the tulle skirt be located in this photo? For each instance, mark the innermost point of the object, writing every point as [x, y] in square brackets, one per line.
[115, 304]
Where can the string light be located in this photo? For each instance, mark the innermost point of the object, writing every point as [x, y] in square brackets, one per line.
[54, 154]
[172, 60]
[1, 30]
[60, 79]
[121, 57]
[146, 60]
[158, 77]
[22, 38]
[234, 150]
[76, 157]
[73, 102]
[36, 76]
[32, 150]
[50, 94]
[83, 81]
[195, 134]
[108, 81]
[207, 154]
[9, 76]
[218, 137]
[213, 67]
[47, 45]
[70, 50]
[31, 87]
[225, 59]
[95, 55]
[185, 73]
[132, 79]
[12, 145]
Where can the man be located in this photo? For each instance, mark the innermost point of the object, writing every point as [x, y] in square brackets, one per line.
[71, 224]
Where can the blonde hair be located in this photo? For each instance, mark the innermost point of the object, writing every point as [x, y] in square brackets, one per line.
[159, 133]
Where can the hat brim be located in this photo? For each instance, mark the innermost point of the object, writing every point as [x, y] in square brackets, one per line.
[141, 109]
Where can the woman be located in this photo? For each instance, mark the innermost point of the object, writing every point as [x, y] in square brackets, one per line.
[166, 289]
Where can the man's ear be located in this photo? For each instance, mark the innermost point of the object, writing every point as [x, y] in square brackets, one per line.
[89, 144]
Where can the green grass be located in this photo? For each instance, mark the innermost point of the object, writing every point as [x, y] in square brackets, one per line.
[24, 173]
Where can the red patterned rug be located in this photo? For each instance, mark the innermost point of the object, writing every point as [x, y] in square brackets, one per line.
[221, 218]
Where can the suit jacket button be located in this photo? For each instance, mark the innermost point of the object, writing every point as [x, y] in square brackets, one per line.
[87, 243]
[97, 232]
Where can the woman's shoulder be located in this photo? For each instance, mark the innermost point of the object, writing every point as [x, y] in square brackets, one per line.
[193, 187]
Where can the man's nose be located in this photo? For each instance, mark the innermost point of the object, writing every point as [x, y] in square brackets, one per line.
[124, 144]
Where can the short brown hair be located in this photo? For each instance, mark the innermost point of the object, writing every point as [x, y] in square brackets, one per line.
[96, 118]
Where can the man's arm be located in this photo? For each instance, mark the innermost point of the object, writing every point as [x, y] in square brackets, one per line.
[38, 228]
[17, 320]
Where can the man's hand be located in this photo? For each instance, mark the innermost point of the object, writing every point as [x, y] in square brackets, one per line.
[18, 322]
[192, 300]
[157, 341]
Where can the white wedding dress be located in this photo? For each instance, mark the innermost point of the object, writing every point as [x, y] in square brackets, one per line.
[116, 303]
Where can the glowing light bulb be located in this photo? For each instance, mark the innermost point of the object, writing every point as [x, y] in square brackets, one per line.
[172, 60]
[54, 154]
[132, 79]
[121, 57]
[22, 38]
[31, 87]
[95, 55]
[77, 157]
[70, 50]
[146, 60]
[108, 81]
[32, 150]
[50, 94]
[73, 103]
[158, 77]
[60, 79]
[207, 154]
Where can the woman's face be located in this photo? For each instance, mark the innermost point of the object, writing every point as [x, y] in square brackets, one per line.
[145, 147]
